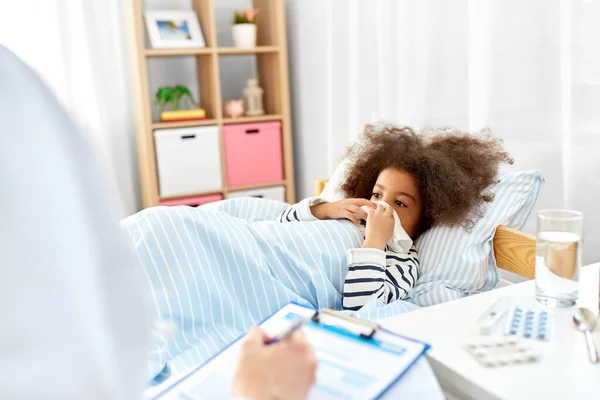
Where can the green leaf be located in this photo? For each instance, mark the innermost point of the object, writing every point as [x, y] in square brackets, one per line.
[239, 17]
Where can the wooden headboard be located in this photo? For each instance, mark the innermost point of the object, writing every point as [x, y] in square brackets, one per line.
[514, 250]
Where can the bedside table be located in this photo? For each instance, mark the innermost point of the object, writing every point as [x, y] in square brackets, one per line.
[564, 371]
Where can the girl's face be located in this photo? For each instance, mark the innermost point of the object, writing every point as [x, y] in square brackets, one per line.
[400, 190]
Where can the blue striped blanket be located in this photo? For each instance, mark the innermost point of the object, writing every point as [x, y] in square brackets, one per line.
[217, 270]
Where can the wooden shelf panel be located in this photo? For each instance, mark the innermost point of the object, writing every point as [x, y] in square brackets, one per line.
[184, 124]
[256, 186]
[178, 52]
[223, 191]
[192, 51]
[243, 120]
[251, 50]
[185, 196]
[204, 122]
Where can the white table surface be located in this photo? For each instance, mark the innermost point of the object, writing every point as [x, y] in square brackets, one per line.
[563, 373]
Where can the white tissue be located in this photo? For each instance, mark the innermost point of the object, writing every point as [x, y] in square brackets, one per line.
[400, 242]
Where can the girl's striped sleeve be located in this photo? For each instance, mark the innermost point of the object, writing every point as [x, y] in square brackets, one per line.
[374, 273]
[300, 211]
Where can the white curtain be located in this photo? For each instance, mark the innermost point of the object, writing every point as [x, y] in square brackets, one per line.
[528, 70]
[79, 47]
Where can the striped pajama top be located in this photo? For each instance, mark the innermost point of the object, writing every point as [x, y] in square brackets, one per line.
[372, 273]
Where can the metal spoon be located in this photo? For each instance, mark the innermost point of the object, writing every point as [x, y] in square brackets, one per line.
[585, 320]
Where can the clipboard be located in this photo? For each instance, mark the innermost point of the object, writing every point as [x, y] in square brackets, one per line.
[357, 358]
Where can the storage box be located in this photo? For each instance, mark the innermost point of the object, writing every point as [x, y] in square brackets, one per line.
[192, 201]
[273, 193]
[188, 160]
[253, 153]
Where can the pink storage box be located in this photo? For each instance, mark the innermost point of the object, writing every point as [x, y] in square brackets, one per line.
[253, 153]
[192, 201]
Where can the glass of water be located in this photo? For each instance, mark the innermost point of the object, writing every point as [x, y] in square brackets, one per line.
[558, 257]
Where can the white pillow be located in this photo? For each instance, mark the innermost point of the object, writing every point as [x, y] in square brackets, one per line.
[453, 262]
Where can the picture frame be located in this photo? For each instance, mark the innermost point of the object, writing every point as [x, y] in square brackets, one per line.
[173, 29]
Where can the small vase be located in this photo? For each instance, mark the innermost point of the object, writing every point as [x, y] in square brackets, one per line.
[244, 35]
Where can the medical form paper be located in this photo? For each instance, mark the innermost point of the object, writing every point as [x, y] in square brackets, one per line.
[350, 367]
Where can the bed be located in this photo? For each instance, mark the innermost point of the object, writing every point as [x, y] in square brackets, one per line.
[215, 271]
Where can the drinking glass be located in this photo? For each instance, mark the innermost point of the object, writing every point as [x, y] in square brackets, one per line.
[558, 257]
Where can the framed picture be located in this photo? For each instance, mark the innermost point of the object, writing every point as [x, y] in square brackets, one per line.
[173, 29]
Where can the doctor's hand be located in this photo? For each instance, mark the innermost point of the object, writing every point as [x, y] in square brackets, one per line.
[343, 209]
[284, 370]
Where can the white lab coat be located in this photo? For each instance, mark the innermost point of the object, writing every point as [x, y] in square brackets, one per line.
[72, 321]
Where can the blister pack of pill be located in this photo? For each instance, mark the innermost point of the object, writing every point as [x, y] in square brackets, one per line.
[528, 323]
[500, 351]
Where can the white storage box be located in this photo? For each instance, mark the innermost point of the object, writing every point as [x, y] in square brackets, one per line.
[273, 193]
[188, 160]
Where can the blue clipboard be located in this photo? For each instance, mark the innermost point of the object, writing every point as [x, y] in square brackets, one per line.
[331, 323]
[370, 329]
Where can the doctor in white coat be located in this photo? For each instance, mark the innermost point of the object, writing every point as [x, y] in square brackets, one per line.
[72, 320]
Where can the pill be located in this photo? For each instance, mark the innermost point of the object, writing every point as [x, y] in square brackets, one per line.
[517, 359]
[502, 360]
[489, 363]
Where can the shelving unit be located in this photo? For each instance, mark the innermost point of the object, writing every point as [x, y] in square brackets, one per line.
[272, 71]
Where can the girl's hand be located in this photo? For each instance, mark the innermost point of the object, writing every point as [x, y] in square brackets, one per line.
[380, 227]
[343, 209]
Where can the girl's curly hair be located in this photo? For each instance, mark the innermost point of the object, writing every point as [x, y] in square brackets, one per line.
[454, 170]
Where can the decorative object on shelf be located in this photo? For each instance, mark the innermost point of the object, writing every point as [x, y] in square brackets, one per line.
[244, 28]
[234, 108]
[253, 98]
[173, 95]
[173, 29]
[183, 115]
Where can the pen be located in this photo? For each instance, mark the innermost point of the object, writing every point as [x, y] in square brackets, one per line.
[289, 331]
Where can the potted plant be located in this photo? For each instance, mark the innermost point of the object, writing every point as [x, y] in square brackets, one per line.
[244, 27]
[173, 95]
